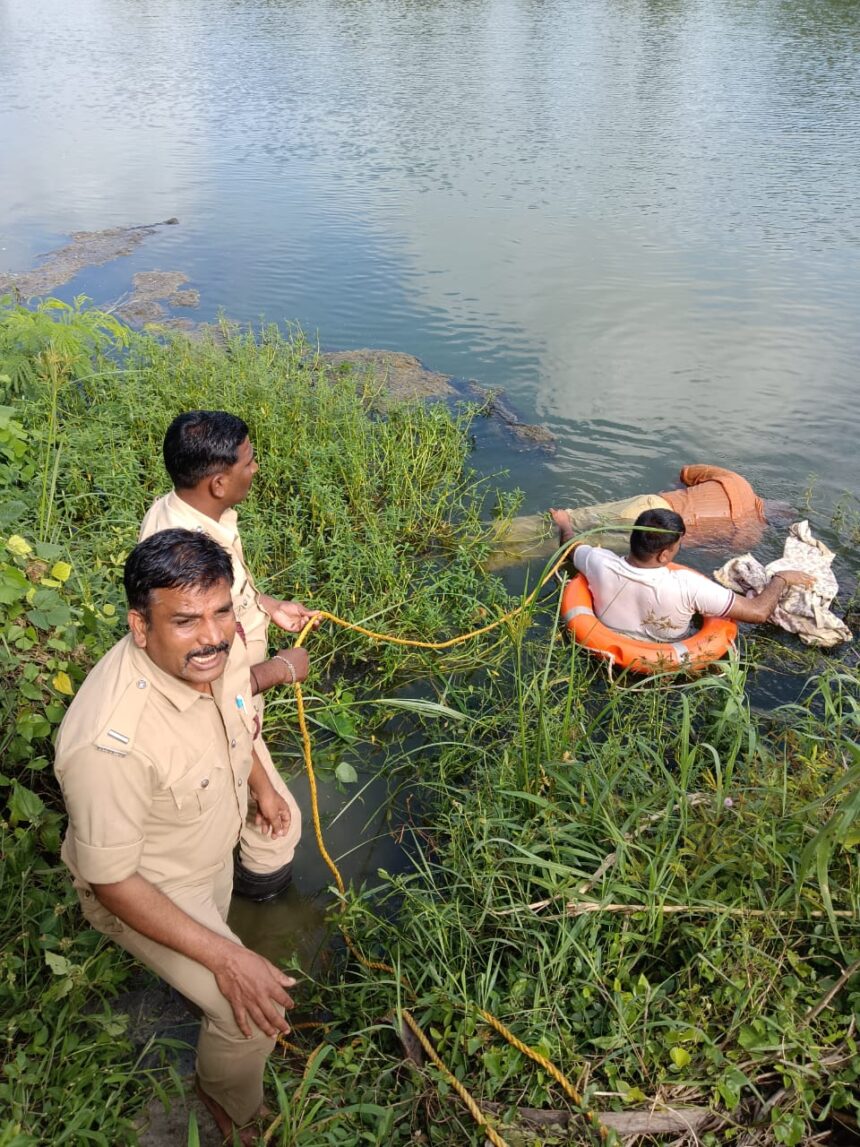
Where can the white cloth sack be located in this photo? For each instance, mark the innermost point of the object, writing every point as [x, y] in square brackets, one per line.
[805, 612]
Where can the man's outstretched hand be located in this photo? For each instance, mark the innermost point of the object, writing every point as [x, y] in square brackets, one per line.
[291, 616]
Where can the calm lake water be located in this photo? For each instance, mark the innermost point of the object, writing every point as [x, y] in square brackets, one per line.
[639, 217]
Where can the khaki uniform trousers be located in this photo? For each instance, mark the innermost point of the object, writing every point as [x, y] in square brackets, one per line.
[230, 1066]
[263, 854]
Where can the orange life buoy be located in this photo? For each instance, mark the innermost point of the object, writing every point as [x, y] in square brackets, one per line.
[690, 653]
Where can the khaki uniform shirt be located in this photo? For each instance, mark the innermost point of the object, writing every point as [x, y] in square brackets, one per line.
[154, 773]
[171, 512]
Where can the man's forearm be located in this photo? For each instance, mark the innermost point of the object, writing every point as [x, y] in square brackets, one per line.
[277, 670]
[258, 781]
[768, 599]
[254, 988]
[143, 907]
[760, 607]
[268, 603]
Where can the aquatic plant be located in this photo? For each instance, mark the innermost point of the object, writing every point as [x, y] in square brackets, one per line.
[654, 892]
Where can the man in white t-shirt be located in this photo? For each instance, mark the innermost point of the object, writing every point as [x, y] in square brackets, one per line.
[641, 596]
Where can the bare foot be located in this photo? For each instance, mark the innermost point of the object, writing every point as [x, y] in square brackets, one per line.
[561, 518]
[247, 1135]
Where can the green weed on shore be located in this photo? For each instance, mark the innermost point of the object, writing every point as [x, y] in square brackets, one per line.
[378, 518]
[651, 885]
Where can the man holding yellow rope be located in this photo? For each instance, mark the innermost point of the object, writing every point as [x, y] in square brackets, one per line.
[210, 459]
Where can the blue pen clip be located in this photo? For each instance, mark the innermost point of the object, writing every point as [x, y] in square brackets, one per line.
[240, 703]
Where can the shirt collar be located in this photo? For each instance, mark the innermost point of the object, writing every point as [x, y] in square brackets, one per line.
[225, 530]
[181, 695]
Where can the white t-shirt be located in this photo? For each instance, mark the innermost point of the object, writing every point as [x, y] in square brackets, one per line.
[651, 604]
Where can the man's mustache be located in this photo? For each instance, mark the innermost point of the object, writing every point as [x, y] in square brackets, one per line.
[208, 651]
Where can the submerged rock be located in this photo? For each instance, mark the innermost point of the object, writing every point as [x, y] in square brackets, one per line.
[151, 288]
[86, 249]
[401, 375]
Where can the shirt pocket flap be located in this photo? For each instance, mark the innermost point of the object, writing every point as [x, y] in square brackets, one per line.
[200, 786]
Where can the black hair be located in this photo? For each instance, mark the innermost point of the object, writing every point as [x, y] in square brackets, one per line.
[200, 443]
[654, 531]
[172, 559]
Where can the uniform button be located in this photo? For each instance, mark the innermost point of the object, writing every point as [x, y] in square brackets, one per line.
[141, 683]
[233, 743]
[204, 783]
[239, 782]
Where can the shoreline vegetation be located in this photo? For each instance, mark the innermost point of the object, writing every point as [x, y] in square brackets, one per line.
[650, 884]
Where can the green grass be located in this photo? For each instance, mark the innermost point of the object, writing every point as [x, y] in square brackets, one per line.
[653, 885]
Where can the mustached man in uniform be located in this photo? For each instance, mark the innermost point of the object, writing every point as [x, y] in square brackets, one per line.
[210, 459]
[156, 761]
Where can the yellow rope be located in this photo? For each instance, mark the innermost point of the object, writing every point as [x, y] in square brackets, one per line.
[378, 965]
[548, 1066]
[474, 1110]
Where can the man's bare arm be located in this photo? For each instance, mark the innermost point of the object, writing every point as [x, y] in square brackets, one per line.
[286, 668]
[273, 812]
[759, 608]
[254, 988]
[561, 518]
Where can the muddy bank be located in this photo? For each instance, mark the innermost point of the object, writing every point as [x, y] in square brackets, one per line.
[86, 249]
[168, 1127]
[155, 1011]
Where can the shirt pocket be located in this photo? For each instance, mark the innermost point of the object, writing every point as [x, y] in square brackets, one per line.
[199, 788]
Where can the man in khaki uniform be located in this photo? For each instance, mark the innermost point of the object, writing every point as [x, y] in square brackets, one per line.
[210, 460]
[156, 761]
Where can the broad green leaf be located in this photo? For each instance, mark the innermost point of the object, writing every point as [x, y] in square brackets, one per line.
[49, 616]
[17, 546]
[337, 720]
[680, 1057]
[48, 551]
[632, 1094]
[13, 585]
[345, 773]
[58, 964]
[24, 805]
[63, 684]
[730, 1086]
